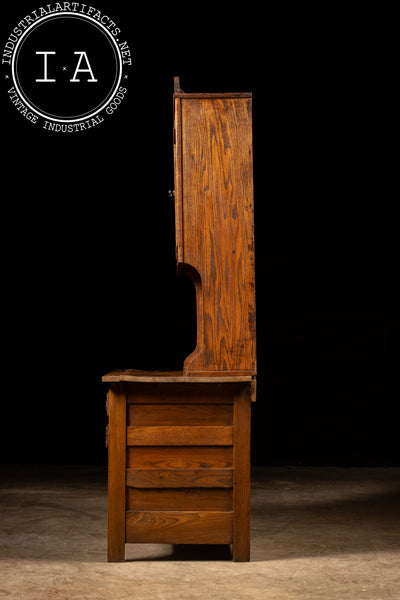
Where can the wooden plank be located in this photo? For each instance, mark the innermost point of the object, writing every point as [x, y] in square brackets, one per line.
[181, 393]
[179, 527]
[178, 181]
[168, 377]
[212, 95]
[116, 473]
[185, 414]
[173, 457]
[253, 388]
[149, 399]
[177, 86]
[238, 375]
[177, 478]
[180, 436]
[241, 486]
[179, 499]
[143, 376]
[218, 231]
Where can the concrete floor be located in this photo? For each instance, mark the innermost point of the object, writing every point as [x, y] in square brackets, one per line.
[316, 534]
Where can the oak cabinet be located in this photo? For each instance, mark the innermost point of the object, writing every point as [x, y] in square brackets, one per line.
[179, 442]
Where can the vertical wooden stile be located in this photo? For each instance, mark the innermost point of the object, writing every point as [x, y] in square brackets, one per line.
[116, 473]
[241, 477]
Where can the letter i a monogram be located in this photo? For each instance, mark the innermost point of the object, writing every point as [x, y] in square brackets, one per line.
[78, 70]
[45, 78]
[81, 54]
[56, 59]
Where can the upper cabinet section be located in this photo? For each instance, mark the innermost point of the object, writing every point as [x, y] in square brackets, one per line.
[215, 226]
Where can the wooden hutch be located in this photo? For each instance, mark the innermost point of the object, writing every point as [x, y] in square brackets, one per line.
[179, 442]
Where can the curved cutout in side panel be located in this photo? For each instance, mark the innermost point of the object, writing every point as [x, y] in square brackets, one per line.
[192, 274]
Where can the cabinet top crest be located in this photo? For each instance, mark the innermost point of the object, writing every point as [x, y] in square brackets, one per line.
[179, 93]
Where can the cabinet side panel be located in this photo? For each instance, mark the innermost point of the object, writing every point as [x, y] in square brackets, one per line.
[218, 229]
[178, 180]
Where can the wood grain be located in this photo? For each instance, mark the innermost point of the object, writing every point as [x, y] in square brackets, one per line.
[241, 485]
[185, 414]
[179, 441]
[211, 95]
[179, 499]
[178, 478]
[174, 457]
[178, 182]
[179, 436]
[213, 172]
[179, 527]
[116, 473]
[134, 375]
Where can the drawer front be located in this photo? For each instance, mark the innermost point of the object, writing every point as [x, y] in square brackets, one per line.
[169, 424]
[191, 435]
[182, 393]
[177, 478]
[185, 457]
[197, 499]
[180, 414]
[179, 527]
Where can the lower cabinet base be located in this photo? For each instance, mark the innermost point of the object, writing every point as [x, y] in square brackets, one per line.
[179, 465]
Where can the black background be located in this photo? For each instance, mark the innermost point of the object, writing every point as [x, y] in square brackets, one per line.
[88, 263]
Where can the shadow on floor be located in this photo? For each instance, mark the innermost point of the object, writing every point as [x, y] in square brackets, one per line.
[303, 512]
[184, 552]
[60, 514]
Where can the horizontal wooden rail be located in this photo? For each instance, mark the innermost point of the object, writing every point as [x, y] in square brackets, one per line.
[179, 499]
[179, 414]
[186, 457]
[179, 527]
[177, 478]
[180, 435]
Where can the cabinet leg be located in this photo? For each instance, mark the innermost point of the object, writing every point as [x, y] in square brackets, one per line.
[116, 473]
[241, 483]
